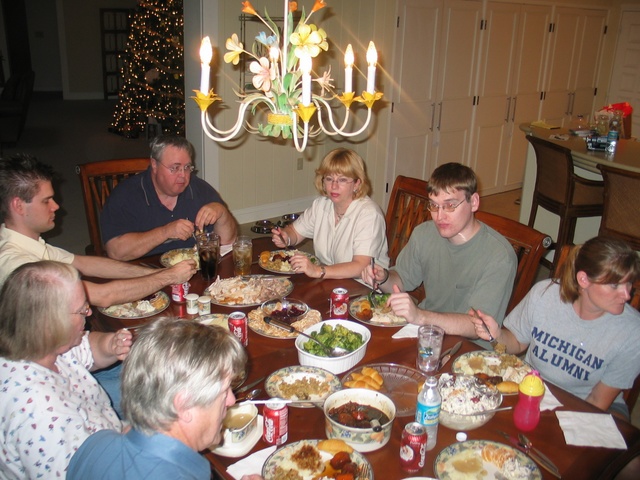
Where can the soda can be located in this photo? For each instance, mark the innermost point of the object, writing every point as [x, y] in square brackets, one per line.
[276, 423]
[239, 326]
[413, 447]
[339, 303]
[179, 292]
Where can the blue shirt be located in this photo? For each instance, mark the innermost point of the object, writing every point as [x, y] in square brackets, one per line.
[110, 455]
[134, 206]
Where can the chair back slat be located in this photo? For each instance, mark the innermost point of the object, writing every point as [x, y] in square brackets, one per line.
[98, 179]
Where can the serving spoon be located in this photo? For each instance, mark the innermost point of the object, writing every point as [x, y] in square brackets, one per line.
[249, 395]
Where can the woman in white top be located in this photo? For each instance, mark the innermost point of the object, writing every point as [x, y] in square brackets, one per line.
[347, 227]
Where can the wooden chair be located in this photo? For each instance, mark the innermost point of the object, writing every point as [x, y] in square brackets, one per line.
[559, 190]
[631, 395]
[98, 179]
[529, 245]
[407, 209]
[621, 206]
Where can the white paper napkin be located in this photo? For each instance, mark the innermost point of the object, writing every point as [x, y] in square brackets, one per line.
[590, 430]
[549, 401]
[408, 331]
[250, 465]
[224, 249]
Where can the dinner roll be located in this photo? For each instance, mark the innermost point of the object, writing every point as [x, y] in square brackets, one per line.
[334, 445]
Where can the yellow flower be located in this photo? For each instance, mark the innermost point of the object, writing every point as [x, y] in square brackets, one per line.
[318, 5]
[309, 39]
[248, 8]
[235, 49]
[293, 6]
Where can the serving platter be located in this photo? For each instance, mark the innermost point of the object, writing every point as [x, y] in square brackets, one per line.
[248, 290]
[258, 325]
[379, 317]
[282, 266]
[325, 381]
[172, 257]
[147, 307]
[282, 458]
[509, 367]
[400, 384]
[466, 460]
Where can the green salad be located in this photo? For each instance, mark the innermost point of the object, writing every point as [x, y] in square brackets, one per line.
[339, 336]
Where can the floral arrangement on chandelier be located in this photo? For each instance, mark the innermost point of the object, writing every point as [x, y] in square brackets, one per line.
[284, 79]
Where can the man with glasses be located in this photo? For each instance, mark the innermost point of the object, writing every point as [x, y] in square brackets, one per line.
[463, 263]
[161, 208]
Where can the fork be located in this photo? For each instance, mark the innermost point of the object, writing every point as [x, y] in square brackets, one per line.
[364, 473]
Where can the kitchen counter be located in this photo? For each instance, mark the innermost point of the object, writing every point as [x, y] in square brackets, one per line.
[627, 156]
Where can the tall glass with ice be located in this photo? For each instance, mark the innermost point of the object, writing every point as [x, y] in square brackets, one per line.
[429, 347]
[209, 253]
[242, 251]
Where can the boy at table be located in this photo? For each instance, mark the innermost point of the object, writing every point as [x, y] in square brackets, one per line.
[176, 387]
[462, 262]
[160, 209]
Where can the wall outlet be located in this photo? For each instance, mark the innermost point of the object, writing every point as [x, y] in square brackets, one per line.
[300, 160]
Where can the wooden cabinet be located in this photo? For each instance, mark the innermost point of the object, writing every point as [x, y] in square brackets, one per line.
[114, 29]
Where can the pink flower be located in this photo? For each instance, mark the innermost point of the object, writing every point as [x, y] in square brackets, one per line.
[263, 75]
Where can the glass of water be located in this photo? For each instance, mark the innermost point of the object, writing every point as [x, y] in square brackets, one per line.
[429, 347]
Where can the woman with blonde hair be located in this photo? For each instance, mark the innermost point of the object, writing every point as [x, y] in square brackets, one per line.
[580, 332]
[347, 227]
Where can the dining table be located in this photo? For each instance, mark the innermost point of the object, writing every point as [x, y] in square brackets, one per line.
[266, 355]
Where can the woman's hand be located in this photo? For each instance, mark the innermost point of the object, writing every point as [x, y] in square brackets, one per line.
[280, 238]
[121, 343]
[302, 264]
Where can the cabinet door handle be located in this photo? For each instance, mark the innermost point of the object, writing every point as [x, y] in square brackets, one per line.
[515, 103]
[506, 115]
[439, 116]
[433, 115]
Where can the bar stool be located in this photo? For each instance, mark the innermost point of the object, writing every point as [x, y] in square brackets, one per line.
[621, 206]
[560, 191]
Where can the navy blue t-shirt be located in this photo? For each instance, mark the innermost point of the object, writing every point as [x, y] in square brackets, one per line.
[134, 206]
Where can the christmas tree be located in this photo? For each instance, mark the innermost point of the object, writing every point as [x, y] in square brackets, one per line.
[153, 71]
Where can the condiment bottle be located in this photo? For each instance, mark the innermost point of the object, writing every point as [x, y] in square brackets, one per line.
[526, 415]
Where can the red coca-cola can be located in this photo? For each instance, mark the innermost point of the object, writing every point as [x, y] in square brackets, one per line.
[276, 423]
[239, 326]
[339, 303]
[179, 292]
[413, 447]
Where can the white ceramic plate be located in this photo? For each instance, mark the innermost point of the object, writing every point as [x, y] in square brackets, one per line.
[491, 363]
[379, 319]
[282, 456]
[172, 257]
[284, 267]
[400, 385]
[220, 319]
[469, 453]
[290, 375]
[159, 302]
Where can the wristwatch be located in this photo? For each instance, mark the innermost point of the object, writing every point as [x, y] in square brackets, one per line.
[323, 270]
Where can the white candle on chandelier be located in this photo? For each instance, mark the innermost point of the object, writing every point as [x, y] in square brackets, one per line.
[274, 54]
[348, 69]
[305, 68]
[206, 54]
[372, 59]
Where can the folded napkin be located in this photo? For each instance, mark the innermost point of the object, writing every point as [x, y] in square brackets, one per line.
[408, 331]
[549, 401]
[590, 430]
[250, 465]
[224, 249]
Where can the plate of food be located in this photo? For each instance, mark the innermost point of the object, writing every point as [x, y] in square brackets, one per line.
[309, 459]
[401, 384]
[147, 307]
[255, 319]
[219, 319]
[302, 383]
[278, 260]
[172, 257]
[503, 370]
[372, 310]
[484, 460]
[249, 290]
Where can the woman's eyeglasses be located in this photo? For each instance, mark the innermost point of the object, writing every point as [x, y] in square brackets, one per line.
[339, 180]
[447, 207]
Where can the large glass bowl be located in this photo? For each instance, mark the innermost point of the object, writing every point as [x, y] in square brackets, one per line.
[464, 399]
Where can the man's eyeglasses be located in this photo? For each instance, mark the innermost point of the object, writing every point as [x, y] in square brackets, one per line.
[339, 180]
[178, 168]
[85, 311]
[447, 207]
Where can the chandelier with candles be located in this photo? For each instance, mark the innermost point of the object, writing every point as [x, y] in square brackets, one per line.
[283, 81]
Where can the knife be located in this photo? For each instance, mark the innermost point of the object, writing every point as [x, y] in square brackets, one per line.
[547, 464]
[449, 353]
[248, 386]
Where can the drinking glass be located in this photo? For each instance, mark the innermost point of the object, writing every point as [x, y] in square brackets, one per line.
[429, 346]
[209, 253]
[242, 251]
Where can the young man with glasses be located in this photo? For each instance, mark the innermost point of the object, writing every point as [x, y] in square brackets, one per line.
[161, 208]
[463, 263]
